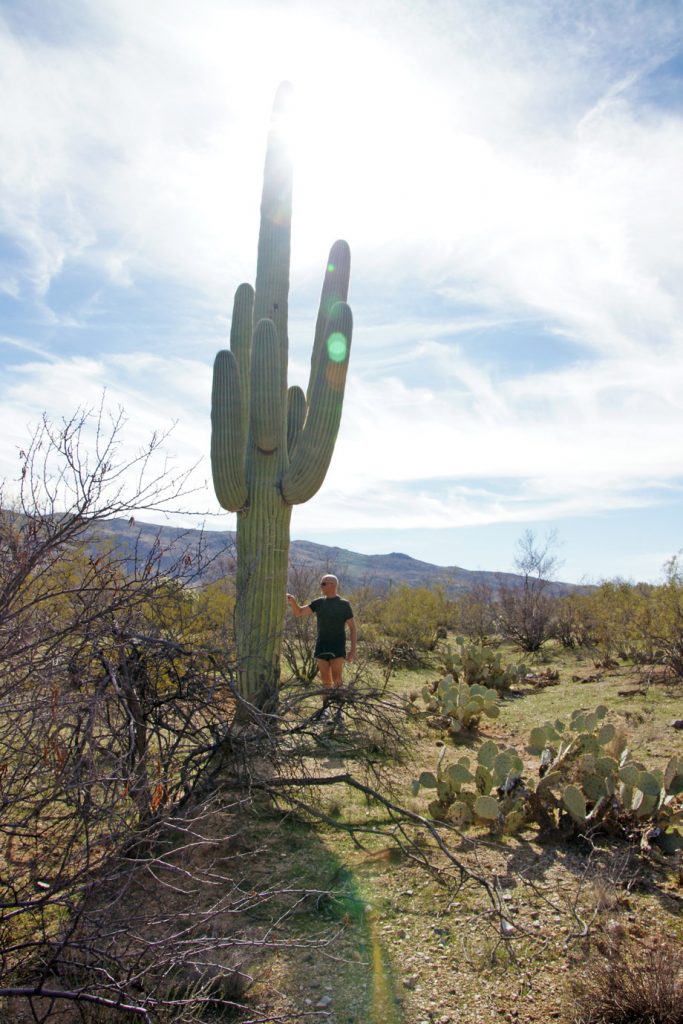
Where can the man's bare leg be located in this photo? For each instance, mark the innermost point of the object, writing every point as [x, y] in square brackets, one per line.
[337, 669]
[330, 676]
[331, 672]
[325, 670]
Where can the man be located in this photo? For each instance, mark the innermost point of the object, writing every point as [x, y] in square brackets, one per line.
[334, 617]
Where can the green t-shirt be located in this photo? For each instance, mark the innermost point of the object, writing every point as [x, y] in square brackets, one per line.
[332, 613]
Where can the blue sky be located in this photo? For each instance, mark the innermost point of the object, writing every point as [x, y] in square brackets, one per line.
[507, 175]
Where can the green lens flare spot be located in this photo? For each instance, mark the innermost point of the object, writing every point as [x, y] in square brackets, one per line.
[337, 347]
[331, 268]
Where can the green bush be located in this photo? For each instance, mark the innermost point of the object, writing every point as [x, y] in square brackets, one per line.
[410, 615]
[389, 651]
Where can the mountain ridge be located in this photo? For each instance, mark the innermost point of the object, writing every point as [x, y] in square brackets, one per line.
[216, 550]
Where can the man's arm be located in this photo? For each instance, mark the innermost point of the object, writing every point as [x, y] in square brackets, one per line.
[298, 610]
[351, 626]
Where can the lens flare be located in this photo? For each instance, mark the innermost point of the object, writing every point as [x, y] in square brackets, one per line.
[337, 347]
[331, 268]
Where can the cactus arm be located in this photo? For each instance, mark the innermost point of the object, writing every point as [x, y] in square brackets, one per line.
[227, 434]
[313, 453]
[272, 266]
[296, 414]
[240, 342]
[335, 289]
[266, 409]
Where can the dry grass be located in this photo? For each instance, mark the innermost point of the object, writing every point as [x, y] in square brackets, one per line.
[632, 982]
[391, 943]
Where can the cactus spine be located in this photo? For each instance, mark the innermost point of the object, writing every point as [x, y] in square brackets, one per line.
[271, 446]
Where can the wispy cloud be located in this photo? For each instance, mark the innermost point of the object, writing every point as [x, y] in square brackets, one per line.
[502, 171]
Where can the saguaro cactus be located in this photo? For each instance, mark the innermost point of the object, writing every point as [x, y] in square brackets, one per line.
[270, 445]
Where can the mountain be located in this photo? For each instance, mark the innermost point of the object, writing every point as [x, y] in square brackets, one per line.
[213, 553]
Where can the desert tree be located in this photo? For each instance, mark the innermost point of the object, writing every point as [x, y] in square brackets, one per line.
[114, 697]
[475, 612]
[661, 622]
[526, 607]
[298, 637]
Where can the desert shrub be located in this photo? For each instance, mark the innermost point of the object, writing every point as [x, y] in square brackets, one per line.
[388, 650]
[214, 610]
[667, 618]
[475, 612]
[641, 623]
[574, 621]
[410, 615]
[298, 634]
[631, 982]
[620, 613]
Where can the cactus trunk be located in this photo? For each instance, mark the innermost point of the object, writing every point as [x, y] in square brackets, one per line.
[262, 561]
[270, 446]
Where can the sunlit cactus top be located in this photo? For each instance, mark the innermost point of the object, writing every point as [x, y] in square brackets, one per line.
[252, 409]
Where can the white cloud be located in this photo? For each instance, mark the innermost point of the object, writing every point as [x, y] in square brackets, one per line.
[492, 165]
[153, 393]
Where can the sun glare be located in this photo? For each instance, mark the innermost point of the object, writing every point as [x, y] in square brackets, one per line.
[354, 160]
[337, 347]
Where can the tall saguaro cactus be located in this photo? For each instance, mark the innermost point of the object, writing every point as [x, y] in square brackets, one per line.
[270, 445]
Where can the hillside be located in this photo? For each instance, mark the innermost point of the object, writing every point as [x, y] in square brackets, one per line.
[214, 551]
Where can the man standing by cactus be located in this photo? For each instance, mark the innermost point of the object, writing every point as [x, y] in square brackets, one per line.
[334, 617]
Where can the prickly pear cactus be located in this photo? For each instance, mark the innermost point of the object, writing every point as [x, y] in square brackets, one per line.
[588, 780]
[485, 793]
[477, 663]
[271, 446]
[453, 705]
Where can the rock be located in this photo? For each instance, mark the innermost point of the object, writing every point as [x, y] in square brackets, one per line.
[410, 982]
[323, 1002]
[677, 723]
